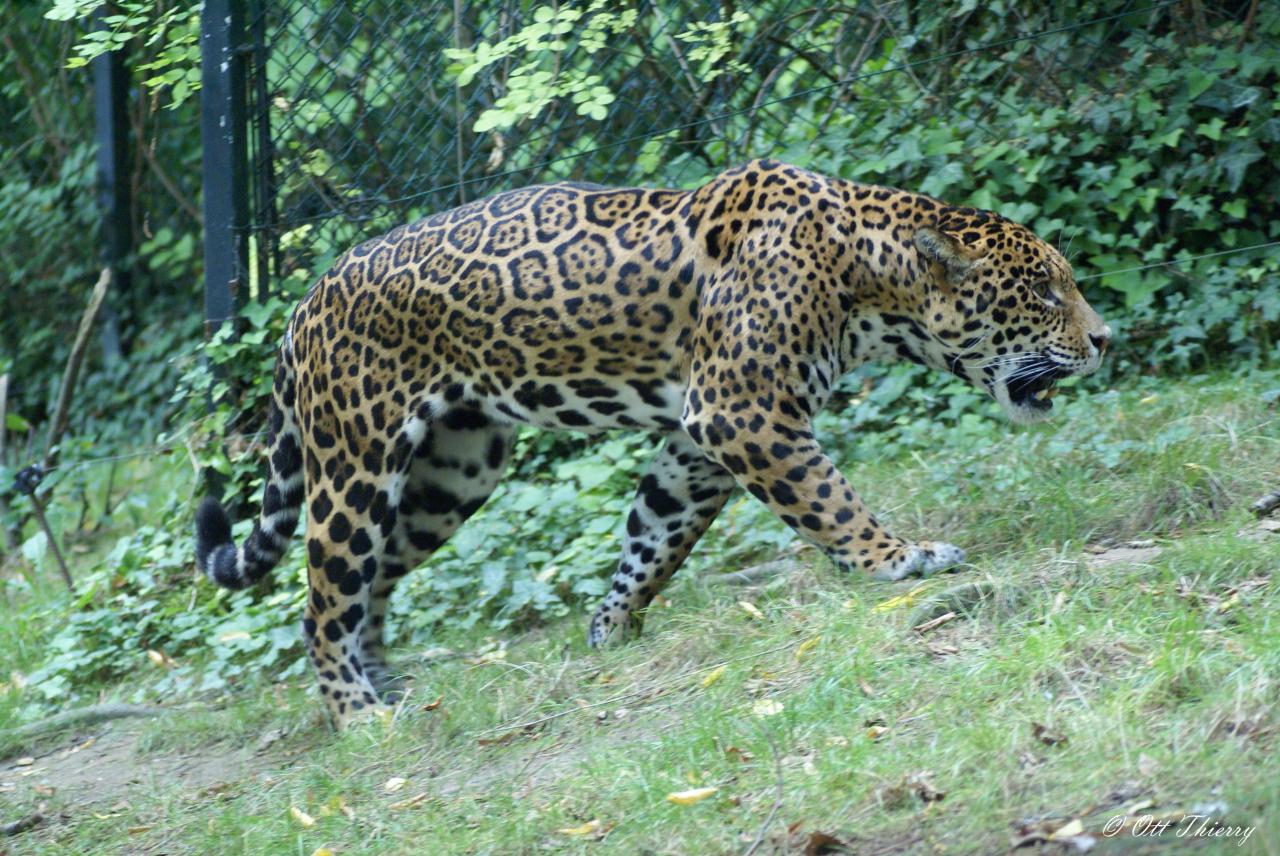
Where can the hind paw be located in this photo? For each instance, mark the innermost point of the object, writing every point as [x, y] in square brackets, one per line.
[924, 559]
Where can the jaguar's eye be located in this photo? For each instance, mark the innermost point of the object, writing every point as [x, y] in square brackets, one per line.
[1044, 291]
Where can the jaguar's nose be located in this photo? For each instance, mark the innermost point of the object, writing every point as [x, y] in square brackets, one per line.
[1101, 339]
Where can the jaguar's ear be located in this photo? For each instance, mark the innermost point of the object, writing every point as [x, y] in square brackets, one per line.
[943, 249]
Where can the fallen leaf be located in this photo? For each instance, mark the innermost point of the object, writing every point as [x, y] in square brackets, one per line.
[412, 801]
[436, 654]
[336, 805]
[875, 732]
[589, 828]
[807, 645]
[488, 658]
[822, 842]
[302, 817]
[322, 851]
[499, 740]
[766, 707]
[234, 635]
[138, 830]
[901, 600]
[43, 790]
[1070, 829]
[1047, 737]
[432, 705]
[740, 755]
[25, 761]
[866, 688]
[394, 784]
[923, 788]
[696, 795]
[714, 675]
[751, 609]
[67, 753]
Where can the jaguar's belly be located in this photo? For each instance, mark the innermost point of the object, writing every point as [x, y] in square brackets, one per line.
[590, 404]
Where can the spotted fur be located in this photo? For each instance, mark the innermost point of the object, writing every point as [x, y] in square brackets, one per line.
[720, 316]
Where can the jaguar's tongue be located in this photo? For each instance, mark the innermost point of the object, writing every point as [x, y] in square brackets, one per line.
[1042, 396]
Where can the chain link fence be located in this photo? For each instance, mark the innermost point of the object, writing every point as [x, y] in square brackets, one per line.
[362, 115]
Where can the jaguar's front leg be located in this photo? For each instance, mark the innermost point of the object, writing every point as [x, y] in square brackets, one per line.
[780, 462]
[678, 498]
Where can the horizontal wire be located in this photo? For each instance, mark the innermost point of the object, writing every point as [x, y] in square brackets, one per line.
[1168, 262]
[173, 445]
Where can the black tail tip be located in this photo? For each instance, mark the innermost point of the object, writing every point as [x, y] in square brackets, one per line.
[213, 529]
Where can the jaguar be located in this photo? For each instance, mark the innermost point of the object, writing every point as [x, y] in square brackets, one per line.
[720, 317]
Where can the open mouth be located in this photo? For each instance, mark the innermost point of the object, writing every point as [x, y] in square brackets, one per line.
[1032, 386]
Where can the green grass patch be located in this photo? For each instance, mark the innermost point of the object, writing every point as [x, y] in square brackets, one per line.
[1084, 677]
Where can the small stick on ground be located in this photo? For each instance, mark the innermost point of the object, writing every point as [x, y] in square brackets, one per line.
[934, 623]
[960, 599]
[753, 574]
[31, 821]
[1266, 504]
[83, 716]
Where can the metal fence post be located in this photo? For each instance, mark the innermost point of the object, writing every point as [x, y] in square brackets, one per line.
[225, 173]
[115, 201]
[266, 248]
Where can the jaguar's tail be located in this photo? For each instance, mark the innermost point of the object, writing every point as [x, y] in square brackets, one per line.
[216, 553]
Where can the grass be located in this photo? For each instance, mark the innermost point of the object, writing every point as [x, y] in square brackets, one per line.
[1076, 688]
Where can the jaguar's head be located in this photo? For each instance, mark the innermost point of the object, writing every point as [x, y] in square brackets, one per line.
[1004, 309]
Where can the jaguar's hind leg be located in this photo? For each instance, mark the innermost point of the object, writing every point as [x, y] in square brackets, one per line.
[353, 494]
[678, 497]
[454, 469]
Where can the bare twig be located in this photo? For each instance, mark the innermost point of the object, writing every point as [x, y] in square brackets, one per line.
[868, 44]
[1248, 24]
[1266, 504]
[754, 574]
[36, 97]
[84, 716]
[58, 425]
[6, 537]
[147, 151]
[779, 790]
[21, 825]
[934, 623]
[38, 506]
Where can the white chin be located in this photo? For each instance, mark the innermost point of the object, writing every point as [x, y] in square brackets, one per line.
[1022, 414]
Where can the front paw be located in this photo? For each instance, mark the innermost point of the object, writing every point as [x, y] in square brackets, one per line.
[612, 626]
[925, 559]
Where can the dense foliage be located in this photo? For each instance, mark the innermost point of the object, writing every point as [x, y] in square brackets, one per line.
[1136, 140]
